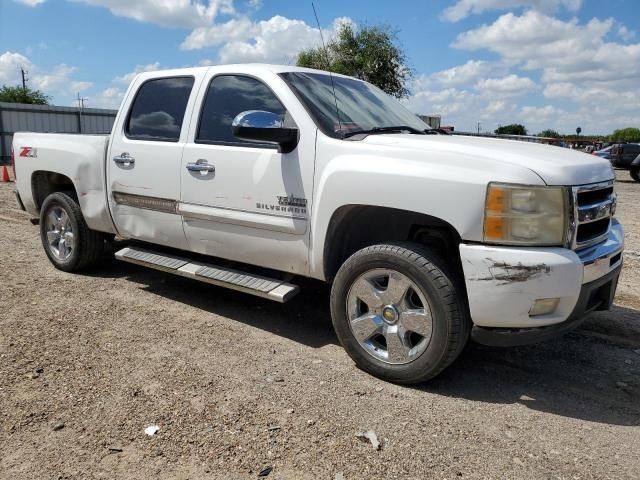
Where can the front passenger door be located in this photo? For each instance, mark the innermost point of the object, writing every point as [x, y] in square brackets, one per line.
[244, 200]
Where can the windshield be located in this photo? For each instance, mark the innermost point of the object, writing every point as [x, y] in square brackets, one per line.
[361, 106]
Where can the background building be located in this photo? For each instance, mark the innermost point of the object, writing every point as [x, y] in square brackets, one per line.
[19, 117]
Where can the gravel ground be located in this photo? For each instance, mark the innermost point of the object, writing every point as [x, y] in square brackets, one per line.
[237, 384]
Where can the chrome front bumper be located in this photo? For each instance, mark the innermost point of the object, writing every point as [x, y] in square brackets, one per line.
[600, 259]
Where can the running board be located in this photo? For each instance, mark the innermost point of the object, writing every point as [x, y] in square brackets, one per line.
[270, 288]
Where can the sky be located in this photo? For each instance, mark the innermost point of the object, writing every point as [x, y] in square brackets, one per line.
[557, 64]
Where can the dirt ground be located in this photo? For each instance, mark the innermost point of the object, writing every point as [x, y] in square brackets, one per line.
[237, 384]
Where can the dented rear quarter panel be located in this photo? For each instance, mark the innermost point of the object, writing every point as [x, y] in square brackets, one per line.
[78, 157]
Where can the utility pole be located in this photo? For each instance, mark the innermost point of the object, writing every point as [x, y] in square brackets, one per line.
[478, 128]
[81, 101]
[24, 78]
[80, 108]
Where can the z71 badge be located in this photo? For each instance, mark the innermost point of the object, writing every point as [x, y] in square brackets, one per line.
[29, 152]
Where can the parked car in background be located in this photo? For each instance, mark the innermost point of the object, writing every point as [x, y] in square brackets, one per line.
[634, 170]
[604, 153]
[611, 144]
[623, 155]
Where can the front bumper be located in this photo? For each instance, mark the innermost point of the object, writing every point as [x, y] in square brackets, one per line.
[504, 282]
[596, 295]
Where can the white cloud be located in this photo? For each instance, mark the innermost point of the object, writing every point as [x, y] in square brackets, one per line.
[10, 65]
[234, 30]
[536, 40]
[31, 3]
[625, 34]
[127, 77]
[496, 106]
[564, 51]
[581, 69]
[278, 39]
[108, 98]
[57, 82]
[544, 113]
[171, 13]
[463, 74]
[463, 8]
[476, 91]
[509, 86]
[168, 13]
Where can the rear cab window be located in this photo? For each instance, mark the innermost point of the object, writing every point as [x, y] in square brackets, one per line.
[157, 112]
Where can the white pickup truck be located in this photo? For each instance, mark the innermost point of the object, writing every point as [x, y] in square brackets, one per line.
[246, 176]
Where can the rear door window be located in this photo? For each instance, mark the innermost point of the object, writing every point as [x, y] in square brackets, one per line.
[158, 109]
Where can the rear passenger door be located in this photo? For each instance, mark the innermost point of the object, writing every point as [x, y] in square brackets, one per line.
[143, 161]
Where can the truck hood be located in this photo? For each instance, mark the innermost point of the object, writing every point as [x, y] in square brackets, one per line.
[555, 165]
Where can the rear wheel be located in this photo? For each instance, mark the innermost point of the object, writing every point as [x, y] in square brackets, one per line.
[635, 174]
[398, 314]
[67, 240]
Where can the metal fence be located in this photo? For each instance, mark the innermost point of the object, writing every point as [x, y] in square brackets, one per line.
[19, 117]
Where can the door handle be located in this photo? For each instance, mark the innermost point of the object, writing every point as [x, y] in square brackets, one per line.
[201, 166]
[124, 159]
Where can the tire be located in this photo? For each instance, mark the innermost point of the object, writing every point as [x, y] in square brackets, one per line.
[397, 344]
[635, 174]
[61, 218]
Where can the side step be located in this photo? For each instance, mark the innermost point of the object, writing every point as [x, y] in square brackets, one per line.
[270, 288]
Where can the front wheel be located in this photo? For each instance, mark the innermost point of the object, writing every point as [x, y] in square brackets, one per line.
[67, 240]
[635, 174]
[398, 314]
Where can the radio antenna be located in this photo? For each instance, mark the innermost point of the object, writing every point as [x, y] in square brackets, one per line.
[326, 57]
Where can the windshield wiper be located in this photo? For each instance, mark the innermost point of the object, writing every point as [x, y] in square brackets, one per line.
[392, 129]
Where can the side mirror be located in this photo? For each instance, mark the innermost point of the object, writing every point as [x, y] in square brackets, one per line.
[265, 127]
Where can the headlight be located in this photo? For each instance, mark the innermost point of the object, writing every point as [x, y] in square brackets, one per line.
[525, 215]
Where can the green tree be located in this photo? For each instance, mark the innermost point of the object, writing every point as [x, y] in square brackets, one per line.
[513, 129]
[371, 53]
[23, 95]
[625, 135]
[549, 133]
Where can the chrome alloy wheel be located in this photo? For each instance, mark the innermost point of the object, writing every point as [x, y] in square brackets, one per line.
[60, 239]
[389, 316]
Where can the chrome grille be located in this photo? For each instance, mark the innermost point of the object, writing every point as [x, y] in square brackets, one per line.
[592, 209]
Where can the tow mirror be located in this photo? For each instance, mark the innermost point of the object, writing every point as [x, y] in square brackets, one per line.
[265, 127]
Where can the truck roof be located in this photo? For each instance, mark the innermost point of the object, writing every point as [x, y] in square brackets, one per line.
[237, 68]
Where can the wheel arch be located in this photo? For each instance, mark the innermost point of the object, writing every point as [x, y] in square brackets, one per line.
[44, 183]
[353, 227]
[93, 202]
